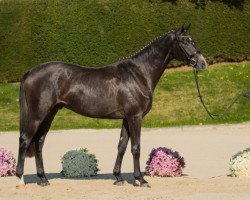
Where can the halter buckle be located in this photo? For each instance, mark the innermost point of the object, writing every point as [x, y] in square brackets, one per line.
[192, 62]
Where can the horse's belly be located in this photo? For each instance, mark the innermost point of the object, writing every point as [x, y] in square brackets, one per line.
[97, 108]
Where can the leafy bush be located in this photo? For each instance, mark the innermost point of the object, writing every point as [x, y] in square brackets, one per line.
[240, 163]
[78, 162]
[7, 163]
[164, 162]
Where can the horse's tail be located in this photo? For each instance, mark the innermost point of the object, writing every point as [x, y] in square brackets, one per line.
[24, 118]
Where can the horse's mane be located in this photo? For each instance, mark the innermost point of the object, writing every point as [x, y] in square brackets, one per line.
[150, 46]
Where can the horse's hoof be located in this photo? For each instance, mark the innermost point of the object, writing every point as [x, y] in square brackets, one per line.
[119, 183]
[20, 186]
[43, 184]
[141, 184]
[136, 183]
[145, 185]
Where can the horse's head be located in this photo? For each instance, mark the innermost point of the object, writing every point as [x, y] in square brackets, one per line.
[185, 49]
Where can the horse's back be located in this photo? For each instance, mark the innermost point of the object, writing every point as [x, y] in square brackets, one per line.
[81, 89]
[96, 92]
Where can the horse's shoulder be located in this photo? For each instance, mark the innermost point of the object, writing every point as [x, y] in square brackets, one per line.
[125, 68]
[125, 64]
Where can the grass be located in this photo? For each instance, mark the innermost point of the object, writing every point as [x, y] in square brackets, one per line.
[175, 101]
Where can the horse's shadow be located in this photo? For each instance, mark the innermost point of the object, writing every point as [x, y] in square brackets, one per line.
[32, 178]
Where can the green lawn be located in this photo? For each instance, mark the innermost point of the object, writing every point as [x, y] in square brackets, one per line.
[175, 101]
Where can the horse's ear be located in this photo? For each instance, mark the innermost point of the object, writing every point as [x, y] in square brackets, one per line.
[188, 27]
[182, 29]
[185, 28]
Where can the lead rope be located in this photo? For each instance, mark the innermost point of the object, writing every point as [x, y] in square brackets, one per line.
[214, 116]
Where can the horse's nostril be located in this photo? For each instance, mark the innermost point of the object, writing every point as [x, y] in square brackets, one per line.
[203, 64]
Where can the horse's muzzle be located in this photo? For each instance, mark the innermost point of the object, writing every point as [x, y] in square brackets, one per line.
[201, 63]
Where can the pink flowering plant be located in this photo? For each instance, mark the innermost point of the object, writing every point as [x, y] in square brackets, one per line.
[164, 162]
[7, 163]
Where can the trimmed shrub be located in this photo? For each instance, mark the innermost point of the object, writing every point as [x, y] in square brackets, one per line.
[96, 33]
[78, 163]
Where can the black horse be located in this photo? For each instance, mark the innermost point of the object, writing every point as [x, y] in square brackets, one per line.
[121, 90]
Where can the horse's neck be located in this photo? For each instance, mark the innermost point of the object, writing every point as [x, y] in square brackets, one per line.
[154, 63]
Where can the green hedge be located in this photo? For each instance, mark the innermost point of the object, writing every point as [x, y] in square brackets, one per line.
[97, 32]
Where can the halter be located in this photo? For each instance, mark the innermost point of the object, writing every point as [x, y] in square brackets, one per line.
[193, 62]
[191, 58]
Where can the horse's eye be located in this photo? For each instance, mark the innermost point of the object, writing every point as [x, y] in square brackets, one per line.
[184, 40]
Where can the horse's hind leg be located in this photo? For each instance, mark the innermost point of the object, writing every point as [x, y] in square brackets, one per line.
[124, 137]
[39, 141]
[39, 160]
[25, 141]
[30, 143]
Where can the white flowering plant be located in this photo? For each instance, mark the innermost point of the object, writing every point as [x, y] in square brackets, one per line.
[239, 164]
[78, 163]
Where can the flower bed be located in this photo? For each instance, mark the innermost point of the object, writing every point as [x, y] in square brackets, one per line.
[7, 163]
[164, 162]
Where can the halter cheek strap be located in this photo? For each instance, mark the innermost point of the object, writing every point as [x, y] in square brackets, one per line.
[190, 58]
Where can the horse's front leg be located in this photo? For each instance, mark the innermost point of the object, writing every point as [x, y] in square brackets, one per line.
[123, 142]
[39, 141]
[134, 124]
